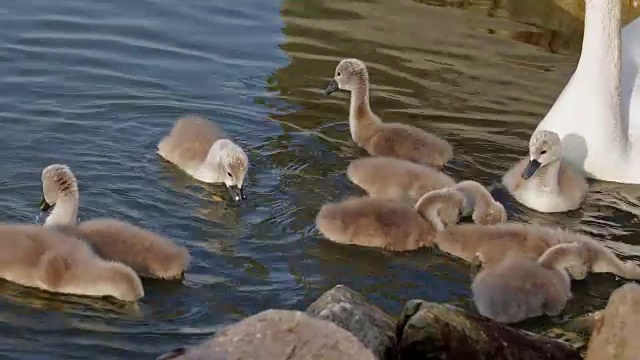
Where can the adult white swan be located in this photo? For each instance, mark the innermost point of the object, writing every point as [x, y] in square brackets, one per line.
[597, 115]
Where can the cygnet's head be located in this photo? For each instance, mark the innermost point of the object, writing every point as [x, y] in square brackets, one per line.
[489, 213]
[350, 74]
[572, 257]
[57, 181]
[486, 211]
[544, 148]
[120, 281]
[234, 164]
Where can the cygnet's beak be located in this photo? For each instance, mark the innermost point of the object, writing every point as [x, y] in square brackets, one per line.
[44, 205]
[236, 193]
[531, 169]
[332, 87]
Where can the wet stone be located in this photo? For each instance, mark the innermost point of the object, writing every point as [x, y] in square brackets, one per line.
[439, 331]
[349, 309]
[276, 335]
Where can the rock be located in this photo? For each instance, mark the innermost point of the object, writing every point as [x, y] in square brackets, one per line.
[615, 333]
[277, 335]
[439, 331]
[349, 310]
[576, 331]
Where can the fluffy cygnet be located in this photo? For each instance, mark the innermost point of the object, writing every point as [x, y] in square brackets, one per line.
[494, 243]
[543, 182]
[519, 288]
[384, 139]
[387, 224]
[39, 257]
[148, 253]
[403, 179]
[202, 150]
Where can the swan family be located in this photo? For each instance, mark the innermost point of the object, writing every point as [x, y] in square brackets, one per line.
[526, 270]
[591, 131]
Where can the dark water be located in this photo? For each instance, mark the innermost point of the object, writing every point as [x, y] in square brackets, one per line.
[95, 85]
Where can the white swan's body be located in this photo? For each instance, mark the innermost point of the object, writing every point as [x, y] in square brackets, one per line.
[597, 115]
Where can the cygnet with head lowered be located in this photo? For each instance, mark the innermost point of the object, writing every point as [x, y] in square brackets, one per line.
[201, 149]
[387, 224]
[397, 179]
[519, 287]
[39, 257]
[494, 243]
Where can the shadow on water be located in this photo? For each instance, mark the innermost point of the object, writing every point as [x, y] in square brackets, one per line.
[97, 84]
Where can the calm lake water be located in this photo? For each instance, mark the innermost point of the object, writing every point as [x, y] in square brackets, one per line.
[96, 84]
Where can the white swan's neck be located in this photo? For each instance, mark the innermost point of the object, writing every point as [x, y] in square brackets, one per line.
[65, 212]
[599, 66]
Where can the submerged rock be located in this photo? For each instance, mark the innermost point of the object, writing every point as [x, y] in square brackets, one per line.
[276, 335]
[615, 332]
[438, 331]
[349, 309]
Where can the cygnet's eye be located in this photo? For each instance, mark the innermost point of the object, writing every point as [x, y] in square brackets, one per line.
[543, 152]
[339, 73]
[230, 175]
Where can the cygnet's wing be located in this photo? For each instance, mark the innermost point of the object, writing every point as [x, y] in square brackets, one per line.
[573, 185]
[189, 141]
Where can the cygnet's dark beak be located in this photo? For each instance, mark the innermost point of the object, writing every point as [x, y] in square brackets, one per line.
[332, 87]
[236, 193]
[531, 169]
[44, 205]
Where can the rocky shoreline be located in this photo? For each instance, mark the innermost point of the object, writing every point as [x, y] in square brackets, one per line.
[341, 324]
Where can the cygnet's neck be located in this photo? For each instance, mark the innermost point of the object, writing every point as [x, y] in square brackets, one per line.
[65, 211]
[475, 196]
[428, 207]
[434, 218]
[361, 119]
[598, 70]
[547, 176]
[553, 259]
[211, 168]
